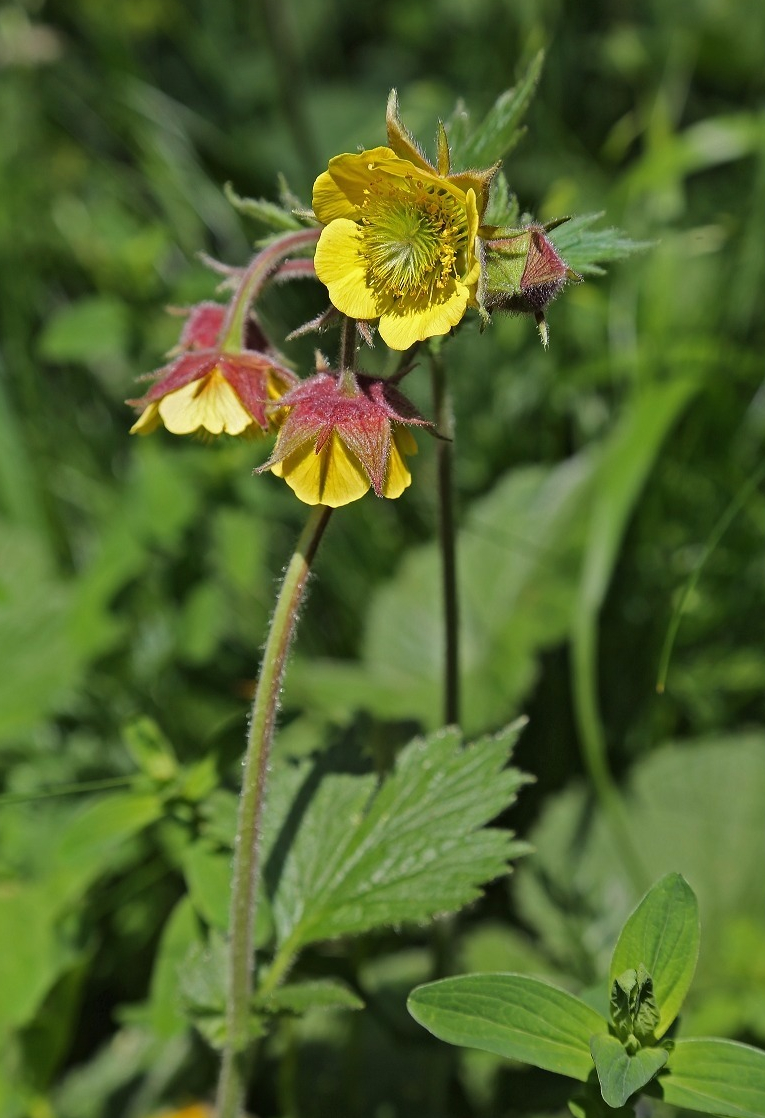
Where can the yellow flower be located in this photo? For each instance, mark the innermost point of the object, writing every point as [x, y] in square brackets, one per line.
[206, 388]
[400, 243]
[334, 444]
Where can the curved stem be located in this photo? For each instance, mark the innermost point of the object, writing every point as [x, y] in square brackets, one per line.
[246, 875]
[444, 420]
[254, 279]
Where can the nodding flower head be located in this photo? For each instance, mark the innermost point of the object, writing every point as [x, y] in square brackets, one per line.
[336, 441]
[211, 389]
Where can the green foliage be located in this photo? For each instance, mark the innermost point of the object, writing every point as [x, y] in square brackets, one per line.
[514, 1016]
[499, 132]
[362, 858]
[524, 1019]
[136, 577]
[663, 933]
[620, 1073]
[717, 1077]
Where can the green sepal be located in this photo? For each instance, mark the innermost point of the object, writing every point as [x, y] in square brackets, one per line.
[400, 139]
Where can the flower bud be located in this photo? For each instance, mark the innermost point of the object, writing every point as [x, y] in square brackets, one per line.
[522, 273]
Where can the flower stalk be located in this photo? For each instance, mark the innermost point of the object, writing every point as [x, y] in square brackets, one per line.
[254, 280]
[247, 867]
[444, 421]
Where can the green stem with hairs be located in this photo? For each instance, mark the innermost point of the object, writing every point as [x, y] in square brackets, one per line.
[247, 869]
[444, 420]
[256, 276]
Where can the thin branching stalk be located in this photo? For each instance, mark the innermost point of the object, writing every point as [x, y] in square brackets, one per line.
[444, 420]
[254, 278]
[247, 868]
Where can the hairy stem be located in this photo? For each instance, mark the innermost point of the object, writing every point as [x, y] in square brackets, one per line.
[254, 279]
[444, 420]
[246, 874]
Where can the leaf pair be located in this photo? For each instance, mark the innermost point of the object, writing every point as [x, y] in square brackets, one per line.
[525, 1019]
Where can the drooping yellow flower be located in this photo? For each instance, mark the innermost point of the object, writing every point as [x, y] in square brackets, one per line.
[336, 443]
[400, 243]
[208, 389]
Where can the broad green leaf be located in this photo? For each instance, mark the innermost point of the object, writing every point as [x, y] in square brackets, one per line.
[298, 997]
[208, 877]
[416, 846]
[31, 953]
[163, 1011]
[94, 840]
[662, 934]
[588, 1102]
[621, 1075]
[511, 1015]
[585, 249]
[499, 131]
[716, 1077]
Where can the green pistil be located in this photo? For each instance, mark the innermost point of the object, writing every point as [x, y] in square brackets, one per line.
[414, 237]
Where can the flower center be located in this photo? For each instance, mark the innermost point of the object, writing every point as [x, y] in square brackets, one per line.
[414, 238]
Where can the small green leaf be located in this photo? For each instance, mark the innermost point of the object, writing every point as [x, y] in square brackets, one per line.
[267, 213]
[588, 1103]
[620, 1074]
[662, 934]
[150, 749]
[298, 997]
[716, 1077]
[585, 249]
[511, 1015]
[499, 131]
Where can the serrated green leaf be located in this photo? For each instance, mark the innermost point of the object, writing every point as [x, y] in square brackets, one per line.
[511, 1015]
[585, 249]
[716, 1077]
[415, 847]
[325, 993]
[499, 131]
[267, 213]
[662, 934]
[621, 1075]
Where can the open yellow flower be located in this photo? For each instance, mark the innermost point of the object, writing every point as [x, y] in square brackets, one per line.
[399, 244]
[336, 443]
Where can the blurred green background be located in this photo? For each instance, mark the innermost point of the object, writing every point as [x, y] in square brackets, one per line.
[136, 576]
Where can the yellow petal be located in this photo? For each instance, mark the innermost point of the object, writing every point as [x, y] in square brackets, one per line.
[210, 403]
[398, 477]
[406, 324]
[332, 477]
[340, 265]
[147, 421]
[329, 201]
[351, 174]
